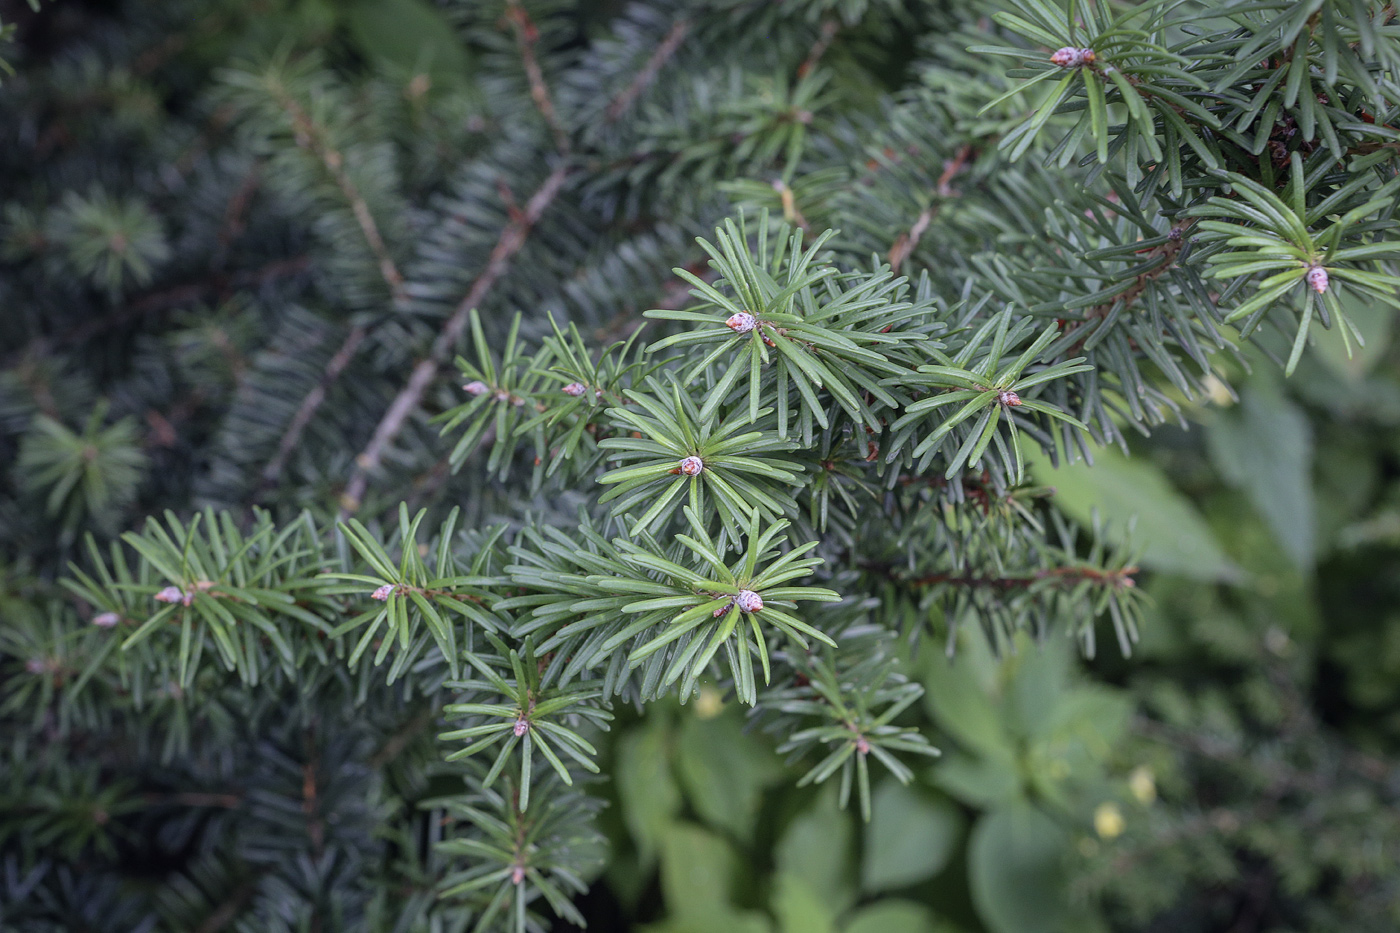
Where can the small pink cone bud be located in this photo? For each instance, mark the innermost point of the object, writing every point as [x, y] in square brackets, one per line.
[517, 874]
[1068, 57]
[522, 726]
[692, 466]
[862, 745]
[35, 666]
[1317, 279]
[383, 593]
[749, 601]
[741, 323]
[575, 389]
[171, 594]
[1008, 398]
[106, 619]
[477, 387]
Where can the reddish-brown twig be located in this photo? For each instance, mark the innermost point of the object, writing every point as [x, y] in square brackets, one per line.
[648, 72]
[511, 240]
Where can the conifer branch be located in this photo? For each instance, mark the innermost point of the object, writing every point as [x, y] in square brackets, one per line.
[1122, 578]
[309, 405]
[830, 27]
[1166, 253]
[217, 284]
[512, 239]
[310, 137]
[229, 909]
[672, 41]
[526, 36]
[905, 244]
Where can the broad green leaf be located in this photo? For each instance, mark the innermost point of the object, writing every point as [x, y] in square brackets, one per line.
[1171, 533]
[980, 782]
[960, 696]
[1015, 869]
[723, 770]
[1263, 447]
[799, 906]
[650, 797]
[816, 848]
[698, 871]
[909, 838]
[891, 916]
[412, 35]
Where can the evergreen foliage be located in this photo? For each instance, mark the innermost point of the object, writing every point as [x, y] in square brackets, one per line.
[401, 394]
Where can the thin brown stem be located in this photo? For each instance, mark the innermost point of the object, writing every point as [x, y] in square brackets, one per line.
[228, 910]
[400, 740]
[904, 246]
[526, 36]
[196, 799]
[165, 299]
[830, 28]
[292, 436]
[672, 41]
[315, 826]
[1166, 253]
[512, 239]
[1063, 576]
[310, 136]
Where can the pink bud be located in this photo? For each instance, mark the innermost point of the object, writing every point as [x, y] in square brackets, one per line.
[749, 601]
[741, 323]
[1008, 398]
[692, 466]
[35, 666]
[106, 619]
[522, 726]
[517, 874]
[477, 387]
[575, 389]
[1317, 279]
[171, 594]
[1068, 57]
[383, 593]
[862, 745]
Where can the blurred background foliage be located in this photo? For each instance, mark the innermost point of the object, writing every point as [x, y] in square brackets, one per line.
[1240, 771]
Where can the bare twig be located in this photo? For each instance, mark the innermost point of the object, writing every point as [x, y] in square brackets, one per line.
[512, 239]
[315, 826]
[906, 243]
[173, 297]
[310, 137]
[672, 40]
[526, 35]
[235, 216]
[791, 213]
[228, 910]
[400, 740]
[1166, 253]
[196, 799]
[292, 436]
[1064, 576]
[828, 32]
